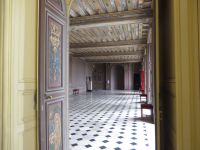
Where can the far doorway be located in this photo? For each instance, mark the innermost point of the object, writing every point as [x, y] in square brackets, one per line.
[137, 81]
[117, 77]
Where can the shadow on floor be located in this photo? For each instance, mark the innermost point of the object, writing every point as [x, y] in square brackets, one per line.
[147, 119]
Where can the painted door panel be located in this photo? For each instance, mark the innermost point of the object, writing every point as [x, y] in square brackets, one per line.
[142, 84]
[52, 79]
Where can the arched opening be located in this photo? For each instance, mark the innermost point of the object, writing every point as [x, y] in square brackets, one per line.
[117, 78]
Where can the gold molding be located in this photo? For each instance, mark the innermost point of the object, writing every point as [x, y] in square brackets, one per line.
[198, 8]
[187, 74]
[194, 73]
[37, 76]
[157, 94]
[178, 75]
[1, 70]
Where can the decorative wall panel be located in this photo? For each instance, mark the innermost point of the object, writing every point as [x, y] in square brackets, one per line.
[54, 54]
[54, 125]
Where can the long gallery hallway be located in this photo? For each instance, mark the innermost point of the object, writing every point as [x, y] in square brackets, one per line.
[109, 120]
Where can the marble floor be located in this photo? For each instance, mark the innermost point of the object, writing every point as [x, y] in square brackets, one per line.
[109, 120]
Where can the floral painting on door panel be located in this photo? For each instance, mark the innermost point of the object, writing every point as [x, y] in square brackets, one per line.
[55, 126]
[55, 54]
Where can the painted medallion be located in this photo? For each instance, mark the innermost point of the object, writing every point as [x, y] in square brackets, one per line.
[55, 126]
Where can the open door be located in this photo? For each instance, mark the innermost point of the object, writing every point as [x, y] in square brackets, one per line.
[52, 75]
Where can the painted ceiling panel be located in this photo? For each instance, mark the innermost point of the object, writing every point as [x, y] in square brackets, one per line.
[109, 5]
[104, 21]
[110, 33]
[121, 5]
[96, 6]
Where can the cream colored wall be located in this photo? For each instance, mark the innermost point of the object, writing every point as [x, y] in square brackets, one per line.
[1, 72]
[6, 74]
[19, 74]
[187, 70]
[25, 63]
[25, 60]
[180, 74]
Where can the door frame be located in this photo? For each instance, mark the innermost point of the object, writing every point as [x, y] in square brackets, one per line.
[156, 74]
[199, 31]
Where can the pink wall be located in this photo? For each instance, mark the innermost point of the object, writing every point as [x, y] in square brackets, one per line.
[128, 76]
[78, 70]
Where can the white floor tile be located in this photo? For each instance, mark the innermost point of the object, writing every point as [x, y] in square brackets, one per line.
[109, 120]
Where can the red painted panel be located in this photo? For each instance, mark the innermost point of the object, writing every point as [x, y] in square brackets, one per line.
[142, 82]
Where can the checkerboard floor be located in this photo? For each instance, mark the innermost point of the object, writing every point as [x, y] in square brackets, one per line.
[109, 120]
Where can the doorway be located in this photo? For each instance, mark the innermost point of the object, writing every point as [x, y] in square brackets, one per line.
[118, 41]
[95, 39]
[136, 81]
[117, 78]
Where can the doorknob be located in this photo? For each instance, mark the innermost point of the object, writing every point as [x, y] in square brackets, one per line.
[49, 97]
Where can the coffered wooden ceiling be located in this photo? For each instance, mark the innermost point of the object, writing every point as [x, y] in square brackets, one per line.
[103, 31]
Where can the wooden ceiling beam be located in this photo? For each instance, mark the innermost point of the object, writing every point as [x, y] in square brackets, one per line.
[117, 57]
[103, 59]
[104, 54]
[115, 61]
[124, 17]
[140, 42]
